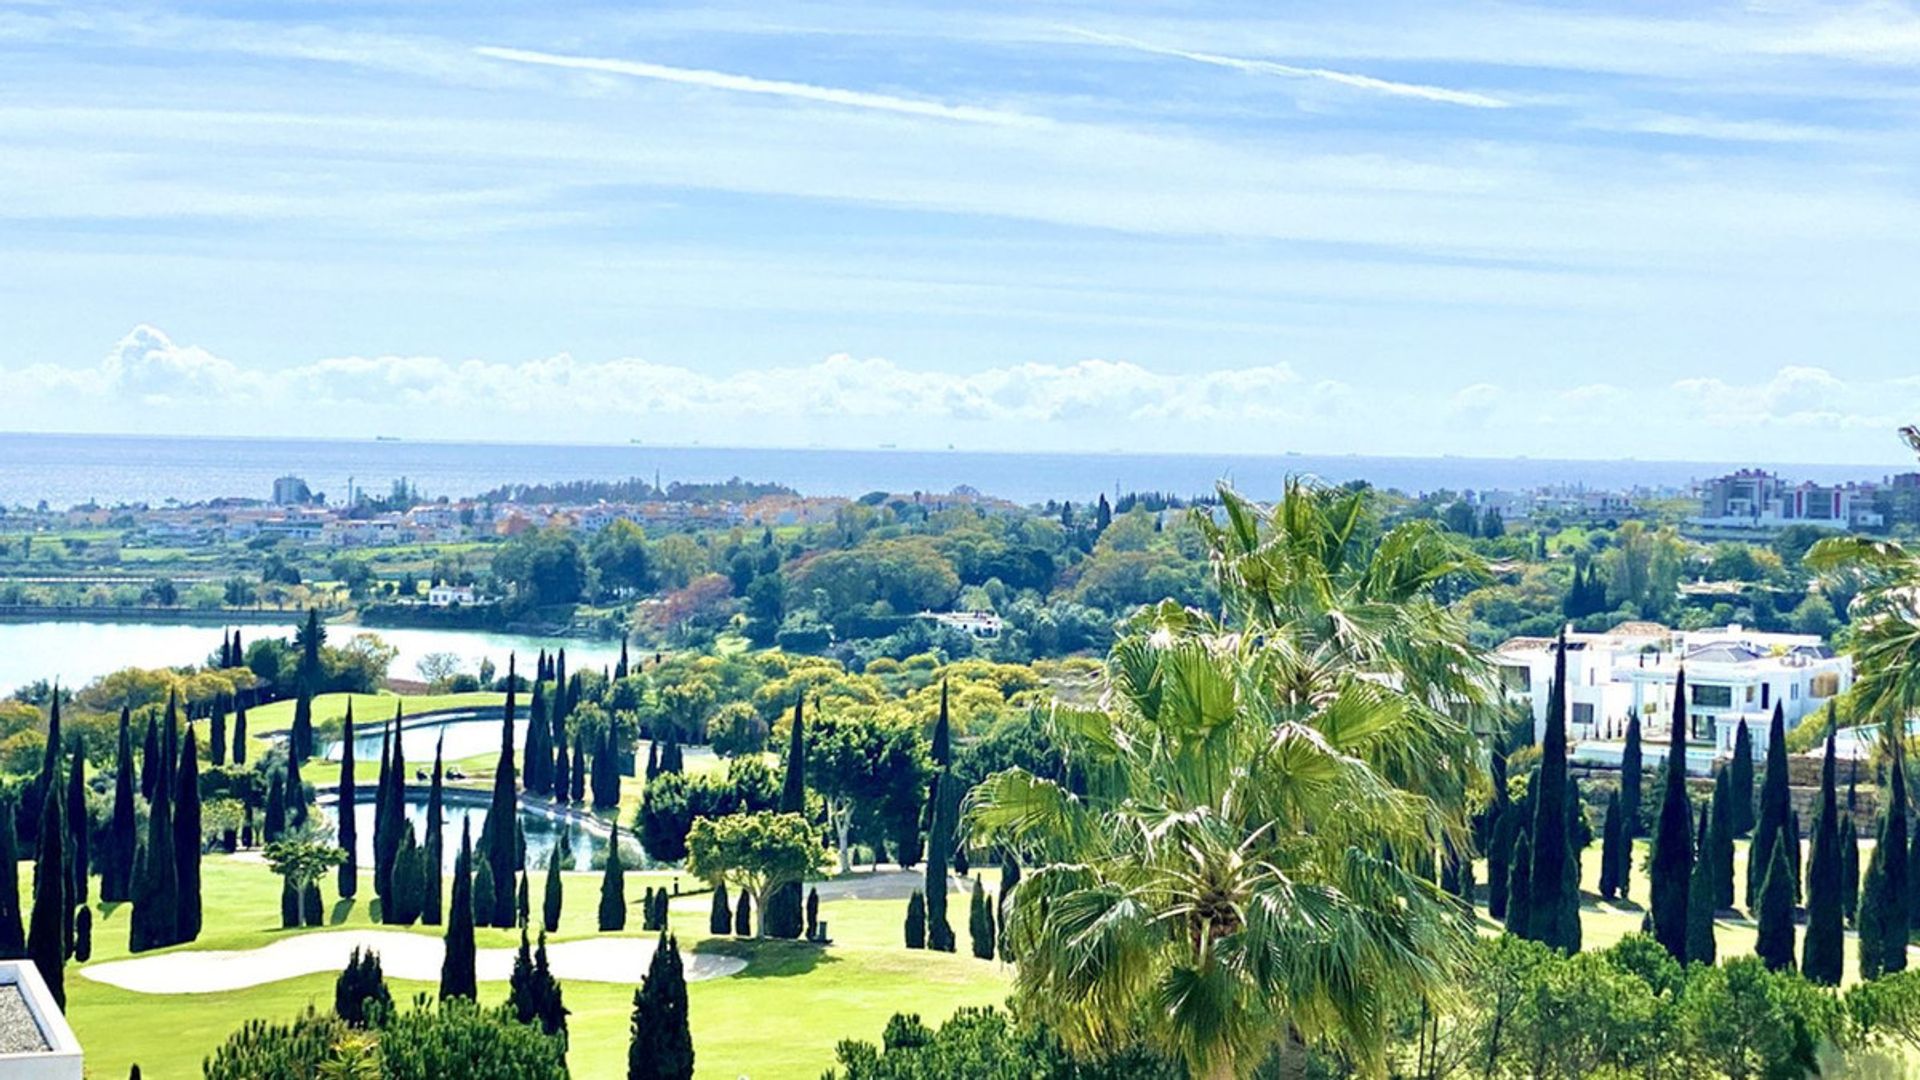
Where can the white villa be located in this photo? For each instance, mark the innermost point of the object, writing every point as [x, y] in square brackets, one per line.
[1733, 675]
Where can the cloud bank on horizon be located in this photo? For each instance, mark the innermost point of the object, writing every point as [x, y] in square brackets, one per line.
[1489, 229]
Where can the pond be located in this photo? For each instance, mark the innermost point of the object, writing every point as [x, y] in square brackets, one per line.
[544, 829]
[76, 652]
[466, 734]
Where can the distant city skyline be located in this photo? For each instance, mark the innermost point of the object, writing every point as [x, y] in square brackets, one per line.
[1681, 232]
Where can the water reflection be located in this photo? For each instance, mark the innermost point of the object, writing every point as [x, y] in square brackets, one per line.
[585, 848]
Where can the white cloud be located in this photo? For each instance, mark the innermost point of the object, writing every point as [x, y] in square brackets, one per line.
[746, 84]
[1268, 67]
[1794, 396]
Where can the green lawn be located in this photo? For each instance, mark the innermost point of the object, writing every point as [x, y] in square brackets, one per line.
[779, 1018]
[278, 716]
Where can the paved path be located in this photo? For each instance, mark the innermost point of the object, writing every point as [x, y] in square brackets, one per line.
[402, 956]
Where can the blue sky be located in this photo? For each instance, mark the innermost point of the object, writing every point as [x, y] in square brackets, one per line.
[1652, 230]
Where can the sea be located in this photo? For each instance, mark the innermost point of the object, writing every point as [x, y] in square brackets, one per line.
[109, 470]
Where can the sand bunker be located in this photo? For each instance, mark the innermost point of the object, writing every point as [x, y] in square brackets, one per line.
[402, 956]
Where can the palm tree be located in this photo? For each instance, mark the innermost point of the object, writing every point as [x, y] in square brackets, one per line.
[1220, 878]
[1885, 615]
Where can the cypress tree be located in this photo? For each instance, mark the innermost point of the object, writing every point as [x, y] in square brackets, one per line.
[1672, 863]
[1774, 945]
[606, 778]
[296, 794]
[1871, 918]
[382, 864]
[13, 936]
[562, 768]
[1849, 868]
[1771, 824]
[720, 914]
[660, 909]
[150, 760]
[916, 928]
[520, 908]
[1894, 914]
[1555, 917]
[156, 894]
[520, 990]
[1499, 854]
[79, 829]
[289, 904]
[47, 786]
[300, 735]
[217, 732]
[1631, 773]
[1793, 841]
[83, 934]
[1823, 957]
[942, 749]
[613, 887]
[939, 844]
[391, 830]
[484, 891]
[307, 677]
[536, 758]
[661, 1040]
[1742, 768]
[501, 833]
[186, 842]
[402, 906]
[1610, 841]
[456, 971]
[620, 669]
[783, 916]
[116, 863]
[1720, 839]
[813, 914]
[435, 866]
[980, 925]
[578, 792]
[240, 735]
[646, 911]
[1701, 948]
[1520, 885]
[653, 758]
[349, 883]
[743, 915]
[47, 931]
[550, 907]
[276, 808]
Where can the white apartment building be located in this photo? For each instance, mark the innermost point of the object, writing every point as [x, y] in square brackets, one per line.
[1734, 675]
[1756, 501]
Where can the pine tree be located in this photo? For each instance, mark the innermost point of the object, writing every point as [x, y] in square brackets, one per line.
[1631, 774]
[349, 828]
[743, 915]
[217, 732]
[456, 971]
[1520, 885]
[783, 915]
[1742, 767]
[1672, 863]
[13, 936]
[240, 735]
[720, 915]
[186, 842]
[432, 885]
[1610, 840]
[613, 887]
[1720, 839]
[661, 1040]
[1823, 957]
[116, 862]
[1849, 868]
[1555, 916]
[1701, 948]
[1774, 945]
[47, 931]
[916, 929]
[1775, 804]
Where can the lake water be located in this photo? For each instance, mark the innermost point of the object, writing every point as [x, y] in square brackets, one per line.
[65, 470]
[544, 830]
[76, 652]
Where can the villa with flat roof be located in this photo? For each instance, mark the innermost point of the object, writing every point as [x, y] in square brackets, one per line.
[1733, 675]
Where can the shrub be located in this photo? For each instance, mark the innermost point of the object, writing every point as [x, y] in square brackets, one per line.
[361, 985]
[426, 1042]
[917, 921]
